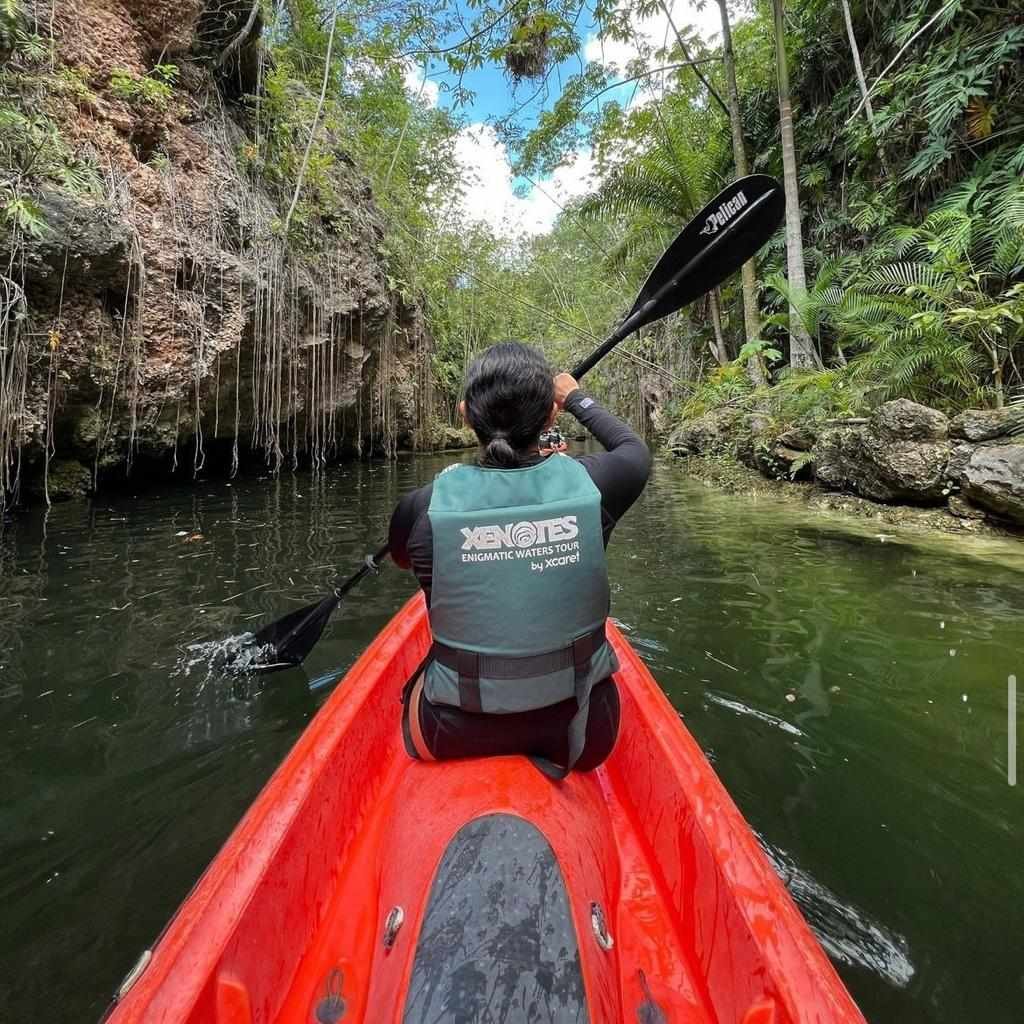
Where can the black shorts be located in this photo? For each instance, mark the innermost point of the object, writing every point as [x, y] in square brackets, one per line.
[441, 732]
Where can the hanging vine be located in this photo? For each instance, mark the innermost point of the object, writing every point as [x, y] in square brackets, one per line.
[13, 385]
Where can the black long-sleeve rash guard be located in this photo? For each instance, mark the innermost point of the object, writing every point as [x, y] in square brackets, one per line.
[619, 473]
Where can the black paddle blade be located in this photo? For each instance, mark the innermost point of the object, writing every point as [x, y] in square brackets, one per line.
[713, 246]
[289, 639]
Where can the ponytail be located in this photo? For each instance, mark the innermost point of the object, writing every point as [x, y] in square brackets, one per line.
[500, 453]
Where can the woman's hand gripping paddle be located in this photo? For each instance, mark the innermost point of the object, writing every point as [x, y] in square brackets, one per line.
[713, 246]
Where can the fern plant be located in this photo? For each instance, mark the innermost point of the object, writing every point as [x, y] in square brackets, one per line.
[816, 307]
[942, 314]
[933, 311]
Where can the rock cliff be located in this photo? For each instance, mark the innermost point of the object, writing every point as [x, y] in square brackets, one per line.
[152, 316]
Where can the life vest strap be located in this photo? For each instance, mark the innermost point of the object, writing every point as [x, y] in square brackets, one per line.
[471, 666]
[467, 664]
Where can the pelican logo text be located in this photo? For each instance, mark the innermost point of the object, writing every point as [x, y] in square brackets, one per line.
[724, 214]
[525, 534]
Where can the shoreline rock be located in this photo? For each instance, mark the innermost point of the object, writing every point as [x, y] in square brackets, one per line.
[905, 455]
[725, 473]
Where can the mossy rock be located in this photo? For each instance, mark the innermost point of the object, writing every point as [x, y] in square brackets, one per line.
[67, 479]
[439, 437]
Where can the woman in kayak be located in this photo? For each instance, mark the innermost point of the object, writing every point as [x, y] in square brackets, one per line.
[510, 556]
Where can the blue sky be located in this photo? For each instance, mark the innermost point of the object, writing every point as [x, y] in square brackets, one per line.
[491, 192]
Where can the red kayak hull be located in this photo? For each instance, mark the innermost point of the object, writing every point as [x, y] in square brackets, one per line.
[293, 908]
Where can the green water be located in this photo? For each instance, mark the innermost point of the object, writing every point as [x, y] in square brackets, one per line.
[850, 689]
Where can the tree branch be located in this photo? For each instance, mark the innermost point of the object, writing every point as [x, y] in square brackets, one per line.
[878, 81]
[468, 39]
[686, 53]
[236, 44]
[647, 74]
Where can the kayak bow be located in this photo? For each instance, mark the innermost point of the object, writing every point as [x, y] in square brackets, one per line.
[364, 886]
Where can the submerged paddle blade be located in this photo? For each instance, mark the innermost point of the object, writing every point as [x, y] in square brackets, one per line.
[293, 636]
[286, 641]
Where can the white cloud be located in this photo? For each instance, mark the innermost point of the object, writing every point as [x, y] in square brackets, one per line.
[489, 194]
[417, 84]
[654, 32]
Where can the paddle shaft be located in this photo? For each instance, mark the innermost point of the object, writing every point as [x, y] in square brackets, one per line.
[371, 565]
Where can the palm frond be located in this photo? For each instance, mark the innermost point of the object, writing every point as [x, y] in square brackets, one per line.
[897, 277]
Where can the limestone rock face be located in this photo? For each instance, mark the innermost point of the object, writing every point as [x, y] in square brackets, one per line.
[963, 509]
[800, 437]
[780, 462]
[705, 434]
[83, 242]
[903, 420]
[169, 319]
[987, 424]
[881, 468]
[913, 471]
[837, 456]
[905, 453]
[959, 457]
[994, 480]
[66, 479]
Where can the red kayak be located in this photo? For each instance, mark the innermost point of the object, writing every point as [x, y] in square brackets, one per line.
[365, 886]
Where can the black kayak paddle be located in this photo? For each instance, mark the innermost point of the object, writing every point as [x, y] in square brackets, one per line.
[713, 246]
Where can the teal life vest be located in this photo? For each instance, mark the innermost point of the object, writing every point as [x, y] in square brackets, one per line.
[520, 595]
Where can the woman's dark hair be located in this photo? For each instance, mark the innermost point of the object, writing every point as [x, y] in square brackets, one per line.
[509, 393]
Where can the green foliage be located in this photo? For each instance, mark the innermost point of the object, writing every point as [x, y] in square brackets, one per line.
[28, 48]
[34, 150]
[813, 396]
[21, 213]
[155, 90]
[725, 385]
[962, 68]
[914, 222]
[757, 347]
[74, 83]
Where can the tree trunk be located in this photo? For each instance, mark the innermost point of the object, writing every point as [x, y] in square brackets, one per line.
[997, 375]
[718, 349]
[802, 354]
[748, 273]
[862, 82]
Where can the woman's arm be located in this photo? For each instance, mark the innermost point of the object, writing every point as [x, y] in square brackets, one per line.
[403, 520]
[620, 473]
